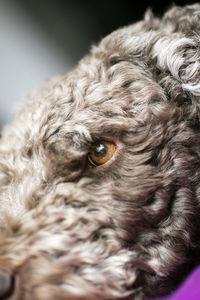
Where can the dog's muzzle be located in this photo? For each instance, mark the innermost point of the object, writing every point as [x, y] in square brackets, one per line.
[9, 286]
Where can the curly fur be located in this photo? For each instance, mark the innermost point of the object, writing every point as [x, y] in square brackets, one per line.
[129, 230]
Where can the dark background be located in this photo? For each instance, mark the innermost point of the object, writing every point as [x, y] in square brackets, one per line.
[86, 21]
[40, 38]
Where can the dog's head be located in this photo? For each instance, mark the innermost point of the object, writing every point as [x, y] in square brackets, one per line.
[100, 171]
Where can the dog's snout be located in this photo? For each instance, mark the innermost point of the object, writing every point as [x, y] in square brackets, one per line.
[7, 284]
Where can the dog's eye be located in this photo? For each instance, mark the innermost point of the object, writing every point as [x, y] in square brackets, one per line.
[100, 153]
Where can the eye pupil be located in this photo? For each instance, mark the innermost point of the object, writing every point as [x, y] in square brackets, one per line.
[100, 150]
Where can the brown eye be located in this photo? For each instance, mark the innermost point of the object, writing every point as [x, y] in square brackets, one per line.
[100, 153]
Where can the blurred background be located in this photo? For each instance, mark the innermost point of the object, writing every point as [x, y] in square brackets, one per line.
[40, 38]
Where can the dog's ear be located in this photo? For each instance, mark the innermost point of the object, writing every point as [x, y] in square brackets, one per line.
[167, 47]
[180, 56]
[177, 51]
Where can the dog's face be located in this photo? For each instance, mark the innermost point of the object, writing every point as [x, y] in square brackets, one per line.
[99, 173]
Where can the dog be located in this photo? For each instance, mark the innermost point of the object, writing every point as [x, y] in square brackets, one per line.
[100, 170]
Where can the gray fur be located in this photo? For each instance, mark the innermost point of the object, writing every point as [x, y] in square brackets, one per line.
[124, 230]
